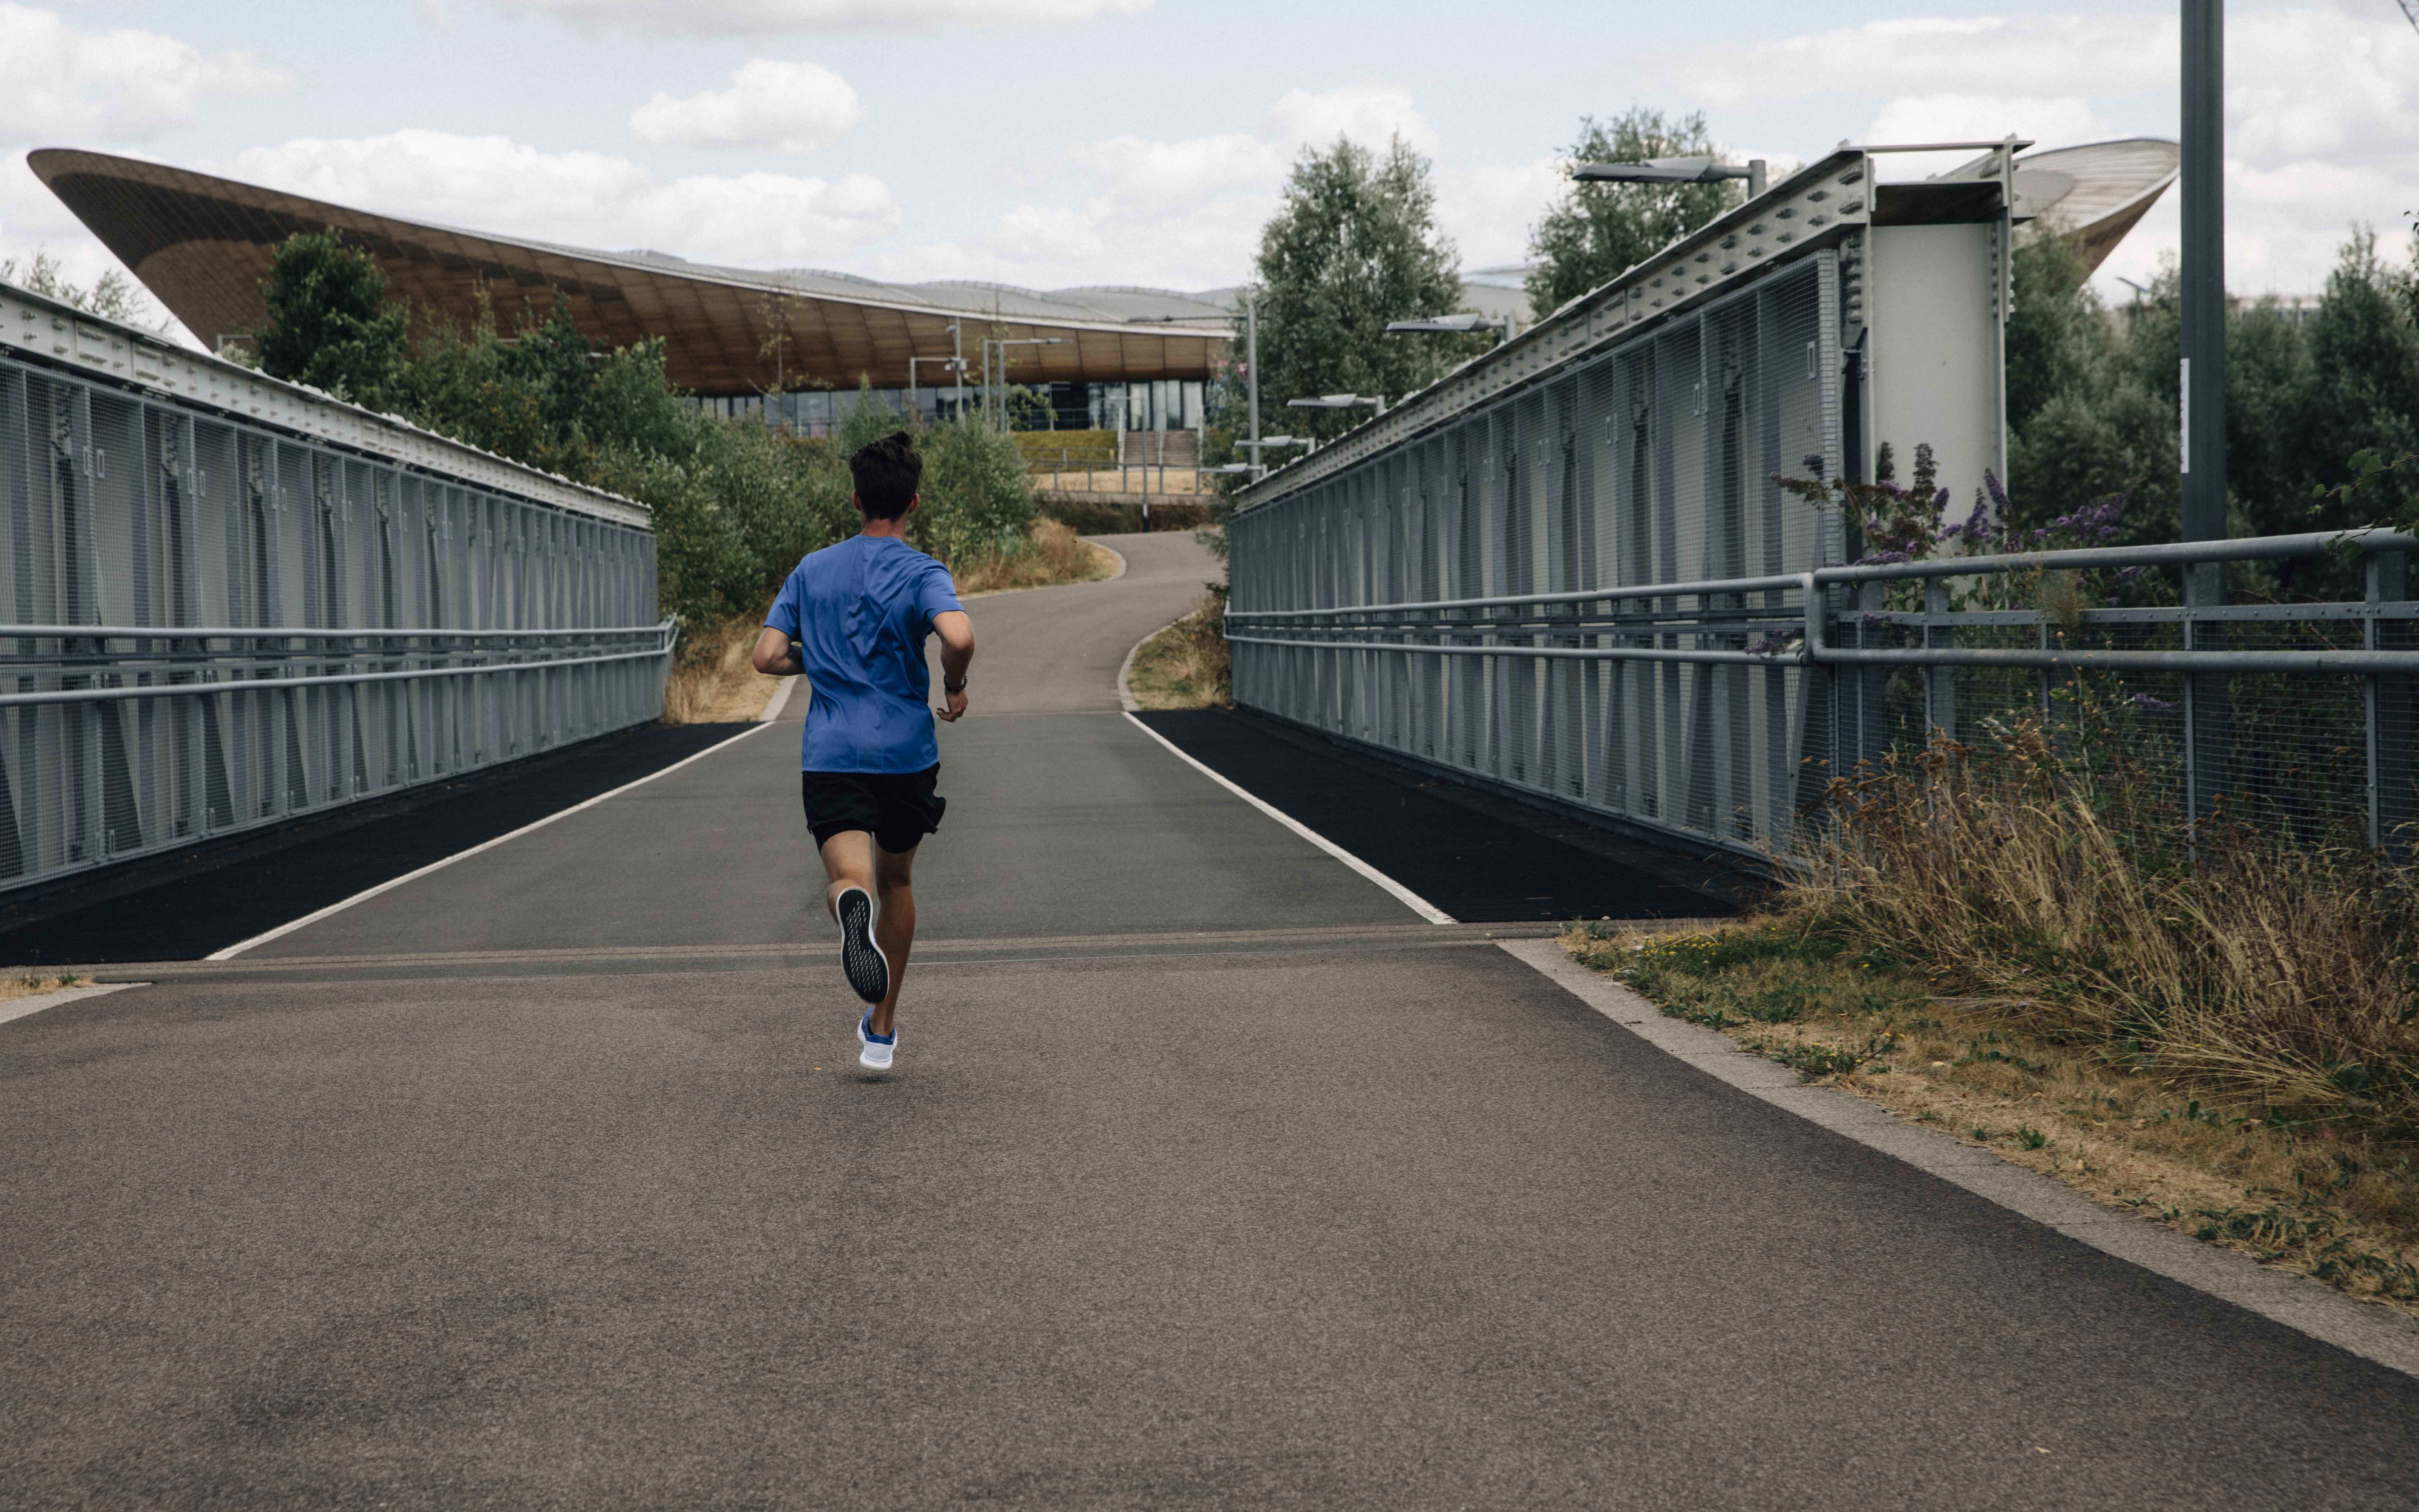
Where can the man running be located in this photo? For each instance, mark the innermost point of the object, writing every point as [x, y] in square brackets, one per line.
[852, 617]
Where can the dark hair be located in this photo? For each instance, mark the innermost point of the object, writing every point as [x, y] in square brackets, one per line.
[887, 472]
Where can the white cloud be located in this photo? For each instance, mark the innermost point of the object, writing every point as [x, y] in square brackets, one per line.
[776, 106]
[58, 84]
[1142, 176]
[2036, 55]
[493, 183]
[1968, 118]
[1488, 211]
[2322, 112]
[771, 17]
[1372, 114]
[1187, 213]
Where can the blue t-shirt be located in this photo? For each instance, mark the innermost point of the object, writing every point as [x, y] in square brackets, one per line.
[859, 612]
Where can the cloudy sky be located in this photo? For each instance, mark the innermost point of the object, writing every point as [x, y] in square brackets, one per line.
[1058, 142]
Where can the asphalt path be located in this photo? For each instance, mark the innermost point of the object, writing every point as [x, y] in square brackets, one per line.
[1209, 1178]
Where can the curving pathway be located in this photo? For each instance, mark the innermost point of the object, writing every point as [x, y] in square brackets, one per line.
[1210, 1179]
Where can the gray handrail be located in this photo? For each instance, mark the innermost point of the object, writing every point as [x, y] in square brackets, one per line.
[272, 685]
[2248, 548]
[301, 632]
[1815, 650]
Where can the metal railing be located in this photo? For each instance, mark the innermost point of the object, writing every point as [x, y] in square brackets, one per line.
[1718, 709]
[226, 601]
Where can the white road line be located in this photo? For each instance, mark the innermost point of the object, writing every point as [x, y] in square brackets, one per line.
[24, 1005]
[366, 895]
[1404, 894]
[1126, 700]
[779, 701]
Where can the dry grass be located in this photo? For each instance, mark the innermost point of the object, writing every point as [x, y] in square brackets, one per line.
[2276, 972]
[1186, 666]
[1057, 555]
[2338, 1204]
[13, 987]
[2217, 1024]
[713, 680]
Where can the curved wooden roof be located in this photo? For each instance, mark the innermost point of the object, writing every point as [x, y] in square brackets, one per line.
[2094, 194]
[202, 245]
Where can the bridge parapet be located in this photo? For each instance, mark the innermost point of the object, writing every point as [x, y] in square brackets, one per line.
[1566, 569]
[229, 600]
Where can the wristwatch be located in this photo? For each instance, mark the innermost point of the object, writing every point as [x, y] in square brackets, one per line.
[947, 686]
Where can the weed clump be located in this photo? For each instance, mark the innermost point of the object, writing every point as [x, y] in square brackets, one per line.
[2043, 889]
[1188, 665]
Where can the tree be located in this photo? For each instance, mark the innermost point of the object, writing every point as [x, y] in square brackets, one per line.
[113, 296]
[330, 324]
[1599, 231]
[1353, 245]
[2363, 390]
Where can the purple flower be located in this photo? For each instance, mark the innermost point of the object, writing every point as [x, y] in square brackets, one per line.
[2143, 701]
[1764, 646]
[1813, 463]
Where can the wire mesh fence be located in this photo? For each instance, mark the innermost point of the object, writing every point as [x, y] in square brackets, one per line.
[207, 624]
[1593, 590]
[1721, 709]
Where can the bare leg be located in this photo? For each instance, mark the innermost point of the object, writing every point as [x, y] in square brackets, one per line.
[894, 925]
[851, 859]
[848, 861]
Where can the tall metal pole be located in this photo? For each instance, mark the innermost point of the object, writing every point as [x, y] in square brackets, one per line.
[2202, 385]
[1252, 366]
[2204, 270]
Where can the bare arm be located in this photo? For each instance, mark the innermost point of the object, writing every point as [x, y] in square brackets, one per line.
[957, 633]
[773, 656]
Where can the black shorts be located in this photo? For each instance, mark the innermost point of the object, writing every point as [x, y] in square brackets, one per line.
[898, 808]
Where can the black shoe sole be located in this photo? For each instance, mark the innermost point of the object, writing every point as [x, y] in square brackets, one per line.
[869, 974]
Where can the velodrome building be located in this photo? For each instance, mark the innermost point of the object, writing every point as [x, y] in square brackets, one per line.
[1119, 359]
[796, 343]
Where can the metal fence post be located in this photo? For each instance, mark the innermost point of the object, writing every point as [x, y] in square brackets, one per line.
[1939, 683]
[1871, 683]
[2206, 717]
[2390, 710]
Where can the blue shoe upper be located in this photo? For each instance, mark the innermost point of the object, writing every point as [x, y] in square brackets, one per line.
[865, 1032]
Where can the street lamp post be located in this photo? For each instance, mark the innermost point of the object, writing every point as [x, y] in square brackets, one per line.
[2204, 270]
[2202, 383]
[949, 364]
[958, 352]
[1004, 343]
[1340, 401]
[1697, 170]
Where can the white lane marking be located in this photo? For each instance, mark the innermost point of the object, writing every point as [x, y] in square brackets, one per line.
[1409, 899]
[1126, 700]
[2363, 1328]
[23, 1006]
[366, 894]
[779, 701]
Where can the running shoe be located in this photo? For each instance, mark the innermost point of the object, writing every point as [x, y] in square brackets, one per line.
[878, 1048]
[869, 974]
